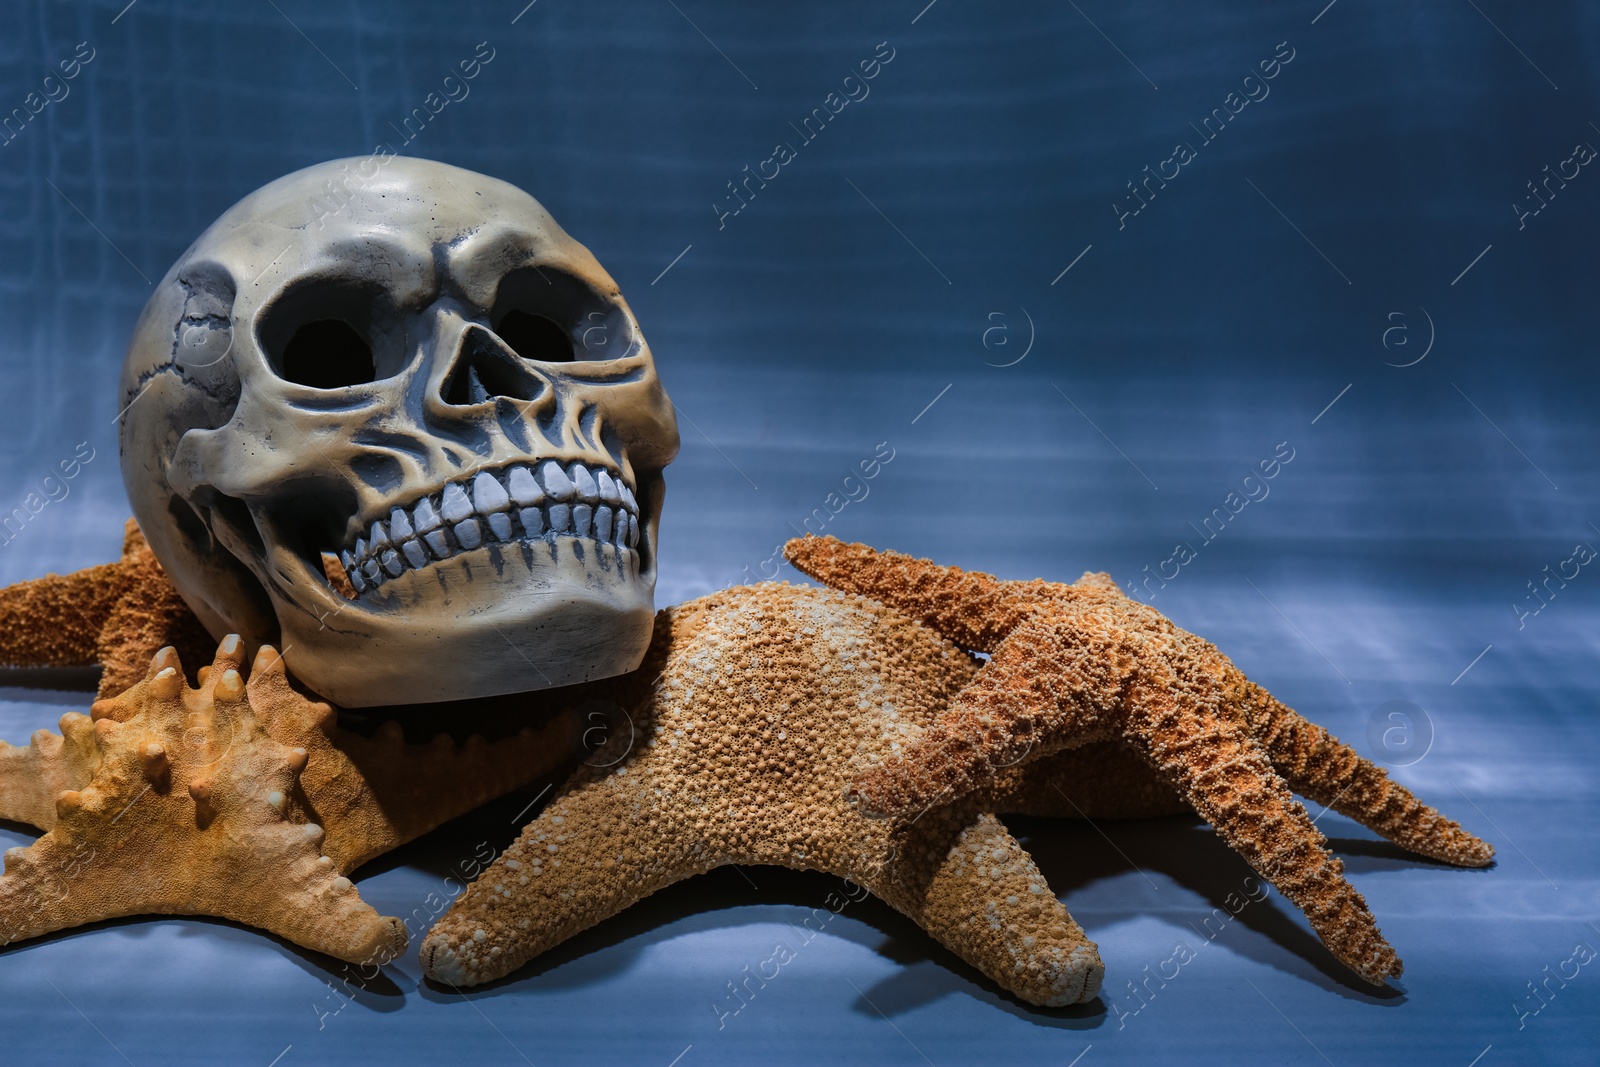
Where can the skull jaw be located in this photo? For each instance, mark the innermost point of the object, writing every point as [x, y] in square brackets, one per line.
[498, 620]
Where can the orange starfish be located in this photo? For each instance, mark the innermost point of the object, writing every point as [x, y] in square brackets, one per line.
[114, 616]
[754, 708]
[1081, 663]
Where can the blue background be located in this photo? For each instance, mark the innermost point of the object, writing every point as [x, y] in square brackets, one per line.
[1359, 216]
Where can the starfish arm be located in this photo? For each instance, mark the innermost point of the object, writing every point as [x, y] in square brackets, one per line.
[274, 879]
[32, 776]
[148, 616]
[1220, 769]
[597, 850]
[594, 851]
[962, 877]
[56, 620]
[1318, 766]
[1047, 687]
[973, 609]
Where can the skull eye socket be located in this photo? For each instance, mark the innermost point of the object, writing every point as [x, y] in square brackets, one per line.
[332, 334]
[327, 354]
[535, 337]
[548, 315]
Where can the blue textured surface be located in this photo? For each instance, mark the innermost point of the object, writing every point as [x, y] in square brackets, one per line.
[1362, 208]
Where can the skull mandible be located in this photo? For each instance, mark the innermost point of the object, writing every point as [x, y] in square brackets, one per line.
[387, 415]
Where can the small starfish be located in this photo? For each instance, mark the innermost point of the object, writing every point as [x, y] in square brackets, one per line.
[187, 812]
[753, 710]
[1072, 664]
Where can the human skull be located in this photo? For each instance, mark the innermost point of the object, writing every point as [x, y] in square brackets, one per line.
[413, 368]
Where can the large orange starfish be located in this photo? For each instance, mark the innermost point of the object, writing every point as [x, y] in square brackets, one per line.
[1082, 663]
[753, 710]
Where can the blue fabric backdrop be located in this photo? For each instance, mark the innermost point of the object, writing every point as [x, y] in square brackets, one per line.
[1081, 267]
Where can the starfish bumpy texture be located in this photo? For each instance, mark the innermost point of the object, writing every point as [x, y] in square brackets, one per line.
[754, 709]
[114, 616]
[1073, 664]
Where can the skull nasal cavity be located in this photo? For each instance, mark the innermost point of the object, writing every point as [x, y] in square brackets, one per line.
[327, 354]
[487, 367]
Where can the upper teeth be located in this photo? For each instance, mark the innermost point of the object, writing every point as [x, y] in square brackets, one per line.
[496, 506]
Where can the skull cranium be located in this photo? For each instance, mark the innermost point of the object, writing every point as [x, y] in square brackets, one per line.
[437, 386]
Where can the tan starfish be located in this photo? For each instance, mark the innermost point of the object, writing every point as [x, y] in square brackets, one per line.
[214, 800]
[187, 812]
[754, 709]
[1081, 663]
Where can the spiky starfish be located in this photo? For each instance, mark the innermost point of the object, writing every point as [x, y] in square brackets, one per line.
[218, 800]
[1082, 663]
[187, 811]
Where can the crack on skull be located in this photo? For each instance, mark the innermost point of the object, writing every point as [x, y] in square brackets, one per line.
[134, 391]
